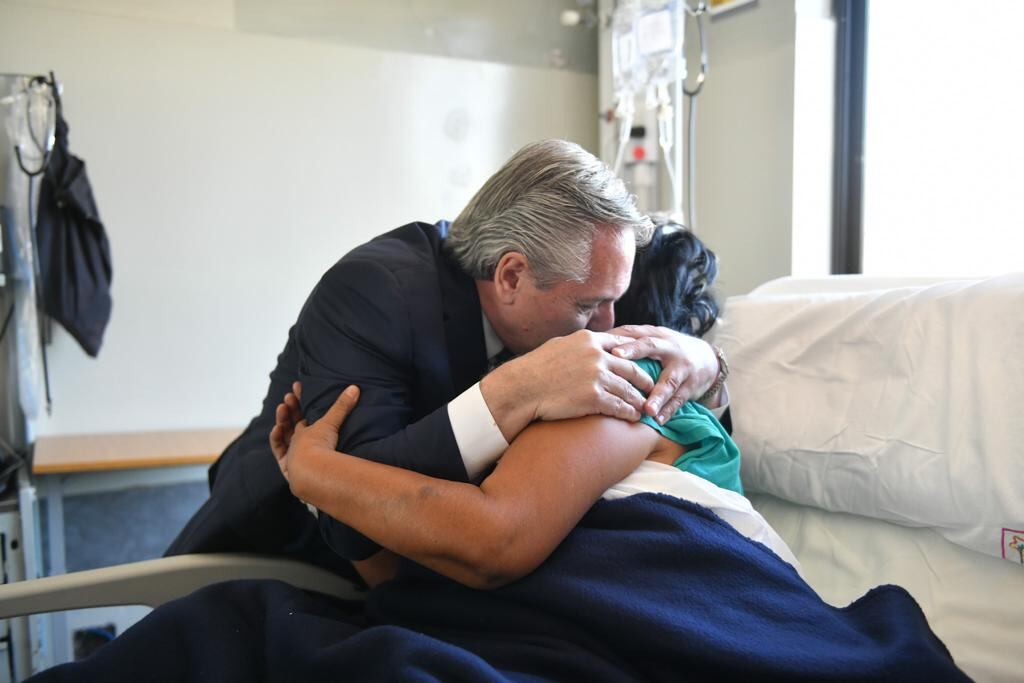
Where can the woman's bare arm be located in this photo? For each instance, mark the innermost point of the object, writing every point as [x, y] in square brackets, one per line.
[482, 536]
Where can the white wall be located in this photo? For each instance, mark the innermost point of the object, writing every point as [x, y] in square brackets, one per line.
[745, 144]
[231, 170]
[765, 142]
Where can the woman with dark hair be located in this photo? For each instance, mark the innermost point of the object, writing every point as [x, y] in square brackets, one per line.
[671, 284]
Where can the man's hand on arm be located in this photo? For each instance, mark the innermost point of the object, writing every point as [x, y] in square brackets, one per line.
[689, 367]
[566, 377]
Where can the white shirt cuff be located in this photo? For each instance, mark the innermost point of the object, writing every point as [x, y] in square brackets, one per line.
[480, 440]
[723, 402]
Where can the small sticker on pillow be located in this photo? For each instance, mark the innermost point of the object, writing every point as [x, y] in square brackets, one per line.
[1013, 545]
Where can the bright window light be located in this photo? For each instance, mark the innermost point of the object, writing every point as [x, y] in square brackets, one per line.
[944, 138]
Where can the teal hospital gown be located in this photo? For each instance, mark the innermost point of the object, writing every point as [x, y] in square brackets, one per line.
[711, 453]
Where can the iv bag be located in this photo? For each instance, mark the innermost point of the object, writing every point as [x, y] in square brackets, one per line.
[625, 56]
[659, 37]
[647, 44]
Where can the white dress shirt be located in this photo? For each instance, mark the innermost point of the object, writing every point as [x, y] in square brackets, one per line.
[478, 436]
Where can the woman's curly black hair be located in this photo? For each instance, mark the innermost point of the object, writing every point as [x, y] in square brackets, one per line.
[670, 284]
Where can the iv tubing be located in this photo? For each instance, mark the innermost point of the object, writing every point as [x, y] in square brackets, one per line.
[666, 140]
[624, 112]
[691, 159]
[691, 95]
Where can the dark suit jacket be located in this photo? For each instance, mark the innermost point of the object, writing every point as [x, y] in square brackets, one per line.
[399, 319]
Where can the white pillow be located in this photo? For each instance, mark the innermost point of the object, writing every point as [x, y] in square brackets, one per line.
[901, 404]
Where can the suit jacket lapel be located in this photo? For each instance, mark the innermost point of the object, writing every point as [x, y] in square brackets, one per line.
[463, 325]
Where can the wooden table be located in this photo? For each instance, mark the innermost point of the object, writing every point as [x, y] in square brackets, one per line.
[129, 450]
[55, 457]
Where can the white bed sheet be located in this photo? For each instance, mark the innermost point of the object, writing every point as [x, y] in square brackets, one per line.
[734, 509]
[972, 601]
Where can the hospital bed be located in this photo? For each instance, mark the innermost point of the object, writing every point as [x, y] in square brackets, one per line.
[881, 437]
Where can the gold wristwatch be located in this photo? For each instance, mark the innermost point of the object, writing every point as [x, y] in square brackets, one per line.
[723, 372]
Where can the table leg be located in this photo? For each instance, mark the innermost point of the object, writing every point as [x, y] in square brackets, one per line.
[58, 563]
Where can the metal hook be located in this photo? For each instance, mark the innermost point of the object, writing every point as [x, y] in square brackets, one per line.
[47, 147]
[702, 75]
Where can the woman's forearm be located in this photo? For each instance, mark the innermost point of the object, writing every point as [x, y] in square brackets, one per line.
[444, 525]
[480, 536]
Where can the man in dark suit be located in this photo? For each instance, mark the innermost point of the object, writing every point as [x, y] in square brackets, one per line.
[417, 317]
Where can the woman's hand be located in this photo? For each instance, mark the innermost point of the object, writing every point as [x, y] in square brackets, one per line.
[287, 416]
[292, 437]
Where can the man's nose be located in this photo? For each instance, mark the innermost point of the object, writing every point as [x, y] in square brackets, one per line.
[603, 318]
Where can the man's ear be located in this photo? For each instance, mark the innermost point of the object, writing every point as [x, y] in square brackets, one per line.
[510, 276]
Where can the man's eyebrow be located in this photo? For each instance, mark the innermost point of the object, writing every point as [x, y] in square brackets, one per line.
[595, 301]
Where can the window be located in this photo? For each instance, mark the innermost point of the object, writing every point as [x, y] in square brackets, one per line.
[944, 138]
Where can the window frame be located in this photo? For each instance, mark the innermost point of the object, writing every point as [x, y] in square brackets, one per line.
[848, 164]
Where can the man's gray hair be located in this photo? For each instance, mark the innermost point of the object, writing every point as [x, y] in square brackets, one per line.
[547, 202]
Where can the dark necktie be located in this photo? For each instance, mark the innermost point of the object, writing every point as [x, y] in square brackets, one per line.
[497, 359]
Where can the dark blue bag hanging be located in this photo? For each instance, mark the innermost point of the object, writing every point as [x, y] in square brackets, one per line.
[74, 254]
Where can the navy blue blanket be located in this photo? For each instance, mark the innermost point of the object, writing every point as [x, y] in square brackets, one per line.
[645, 588]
